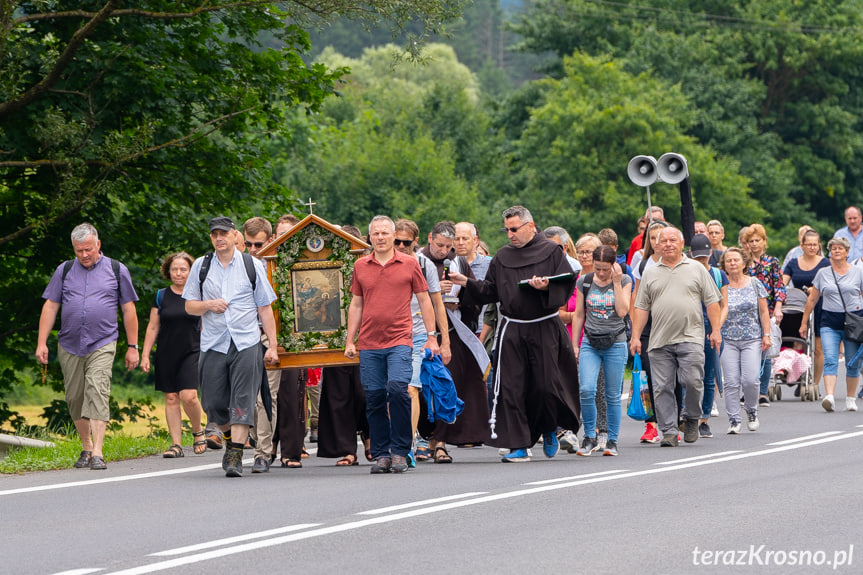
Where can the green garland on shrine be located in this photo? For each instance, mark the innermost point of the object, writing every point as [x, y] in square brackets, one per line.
[289, 253]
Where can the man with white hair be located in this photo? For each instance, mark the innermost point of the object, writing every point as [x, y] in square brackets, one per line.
[673, 291]
[90, 288]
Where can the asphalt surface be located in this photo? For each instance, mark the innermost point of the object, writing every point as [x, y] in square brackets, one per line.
[783, 499]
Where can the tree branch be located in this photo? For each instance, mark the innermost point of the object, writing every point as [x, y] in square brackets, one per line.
[145, 13]
[60, 65]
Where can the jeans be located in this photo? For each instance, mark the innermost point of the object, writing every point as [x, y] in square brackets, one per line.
[385, 374]
[613, 362]
[741, 361]
[710, 358]
[830, 340]
[766, 369]
[417, 360]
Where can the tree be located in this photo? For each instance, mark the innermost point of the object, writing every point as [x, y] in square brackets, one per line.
[147, 120]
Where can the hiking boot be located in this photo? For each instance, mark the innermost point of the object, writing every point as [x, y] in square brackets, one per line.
[382, 465]
[690, 431]
[669, 440]
[610, 448]
[232, 462]
[516, 456]
[588, 446]
[704, 430]
[399, 464]
[753, 424]
[650, 434]
[83, 460]
[550, 445]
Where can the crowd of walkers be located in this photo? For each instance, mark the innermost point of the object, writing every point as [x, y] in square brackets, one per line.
[535, 339]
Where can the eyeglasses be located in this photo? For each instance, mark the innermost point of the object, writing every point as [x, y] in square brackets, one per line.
[258, 245]
[585, 252]
[513, 230]
[405, 243]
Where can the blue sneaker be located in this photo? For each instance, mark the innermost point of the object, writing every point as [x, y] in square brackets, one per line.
[516, 456]
[412, 464]
[550, 444]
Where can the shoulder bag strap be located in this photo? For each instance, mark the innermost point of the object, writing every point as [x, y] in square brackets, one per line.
[835, 279]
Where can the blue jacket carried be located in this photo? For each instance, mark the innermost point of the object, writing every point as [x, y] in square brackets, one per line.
[439, 390]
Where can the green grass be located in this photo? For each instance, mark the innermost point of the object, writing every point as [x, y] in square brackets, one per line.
[118, 446]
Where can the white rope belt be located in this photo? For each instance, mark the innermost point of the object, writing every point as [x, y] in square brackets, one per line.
[501, 331]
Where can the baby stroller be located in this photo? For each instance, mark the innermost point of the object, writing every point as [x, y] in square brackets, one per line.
[793, 309]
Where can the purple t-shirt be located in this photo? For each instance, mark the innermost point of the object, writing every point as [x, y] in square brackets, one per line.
[89, 299]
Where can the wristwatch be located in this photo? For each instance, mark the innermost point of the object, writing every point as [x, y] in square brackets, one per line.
[433, 333]
[134, 346]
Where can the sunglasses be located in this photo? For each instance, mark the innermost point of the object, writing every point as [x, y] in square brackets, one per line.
[403, 242]
[258, 245]
[513, 230]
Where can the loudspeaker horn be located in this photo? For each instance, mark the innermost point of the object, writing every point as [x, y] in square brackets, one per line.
[672, 168]
[642, 170]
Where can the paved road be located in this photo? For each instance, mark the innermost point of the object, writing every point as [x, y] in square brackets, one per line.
[792, 487]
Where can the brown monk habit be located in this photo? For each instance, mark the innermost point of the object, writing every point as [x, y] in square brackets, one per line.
[535, 362]
[342, 411]
[471, 427]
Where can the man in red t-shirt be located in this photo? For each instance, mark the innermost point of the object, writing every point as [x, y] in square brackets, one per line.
[382, 286]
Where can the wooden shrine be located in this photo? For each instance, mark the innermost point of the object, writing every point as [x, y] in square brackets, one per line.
[310, 268]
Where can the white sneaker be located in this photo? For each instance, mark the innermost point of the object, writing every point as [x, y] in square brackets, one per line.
[734, 428]
[851, 403]
[827, 403]
[753, 423]
[601, 441]
[715, 411]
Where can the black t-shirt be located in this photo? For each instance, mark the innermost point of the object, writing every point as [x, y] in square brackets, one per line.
[179, 332]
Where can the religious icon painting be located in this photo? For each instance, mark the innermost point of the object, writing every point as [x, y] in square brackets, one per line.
[317, 296]
[315, 244]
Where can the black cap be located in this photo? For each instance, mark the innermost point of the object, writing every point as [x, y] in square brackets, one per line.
[222, 223]
[700, 246]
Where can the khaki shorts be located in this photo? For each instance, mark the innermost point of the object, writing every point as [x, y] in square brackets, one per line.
[87, 381]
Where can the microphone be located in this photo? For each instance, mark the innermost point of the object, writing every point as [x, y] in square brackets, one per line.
[446, 264]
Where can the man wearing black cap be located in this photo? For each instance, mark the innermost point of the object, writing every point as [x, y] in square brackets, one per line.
[230, 363]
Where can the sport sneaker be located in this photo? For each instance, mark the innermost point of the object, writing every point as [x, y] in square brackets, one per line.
[261, 465]
[382, 465]
[412, 462]
[827, 403]
[714, 412]
[610, 447]
[399, 464]
[516, 456]
[650, 434]
[753, 423]
[588, 446]
[550, 445]
[233, 462]
[733, 428]
[601, 440]
[690, 431]
[670, 440]
[83, 460]
[568, 441]
[763, 402]
[851, 403]
[704, 430]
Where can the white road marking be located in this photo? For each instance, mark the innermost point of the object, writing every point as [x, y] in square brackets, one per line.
[420, 503]
[559, 479]
[806, 437]
[709, 455]
[79, 571]
[223, 552]
[230, 540]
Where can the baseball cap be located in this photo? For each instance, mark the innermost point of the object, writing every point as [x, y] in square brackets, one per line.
[700, 246]
[222, 223]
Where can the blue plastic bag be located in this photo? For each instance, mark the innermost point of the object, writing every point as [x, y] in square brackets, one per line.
[439, 390]
[640, 406]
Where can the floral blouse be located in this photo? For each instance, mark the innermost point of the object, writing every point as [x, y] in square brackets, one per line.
[769, 271]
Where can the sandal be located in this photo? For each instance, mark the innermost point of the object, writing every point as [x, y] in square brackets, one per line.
[304, 454]
[441, 457]
[173, 452]
[200, 445]
[347, 461]
[292, 463]
[423, 454]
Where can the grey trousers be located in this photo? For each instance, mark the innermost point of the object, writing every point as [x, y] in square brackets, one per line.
[668, 364]
[741, 371]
